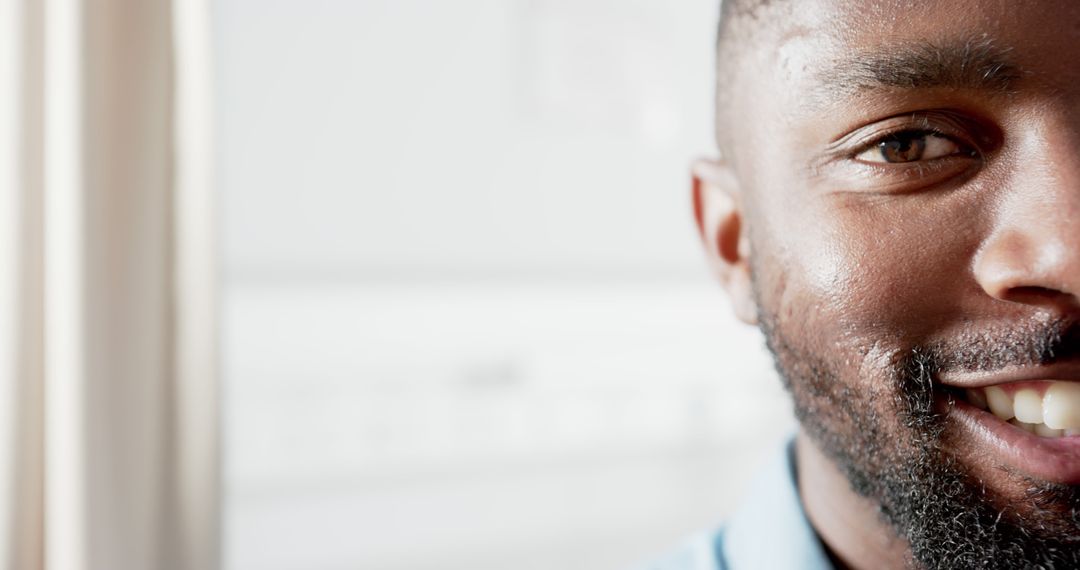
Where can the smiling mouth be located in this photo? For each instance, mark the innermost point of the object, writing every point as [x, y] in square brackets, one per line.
[1047, 408]
[1029, 424]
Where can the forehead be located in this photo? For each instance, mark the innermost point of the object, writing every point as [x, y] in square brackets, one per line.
[806, 53]
[827, 26]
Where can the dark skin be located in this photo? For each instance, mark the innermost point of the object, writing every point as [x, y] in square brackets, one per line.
[867, 211]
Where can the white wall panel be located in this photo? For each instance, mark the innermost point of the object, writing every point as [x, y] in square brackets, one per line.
[478, 136]
[467, 321]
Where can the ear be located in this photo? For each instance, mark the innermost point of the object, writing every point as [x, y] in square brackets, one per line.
[720, 220]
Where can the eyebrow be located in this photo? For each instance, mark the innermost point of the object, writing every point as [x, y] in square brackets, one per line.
[977, 65]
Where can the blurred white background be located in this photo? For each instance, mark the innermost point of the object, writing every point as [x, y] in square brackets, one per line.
[467, 320]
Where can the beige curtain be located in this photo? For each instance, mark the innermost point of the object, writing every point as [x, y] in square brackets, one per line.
[108, 401]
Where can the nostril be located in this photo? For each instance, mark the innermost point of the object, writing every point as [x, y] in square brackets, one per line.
[1034, 295]
[1035, 291]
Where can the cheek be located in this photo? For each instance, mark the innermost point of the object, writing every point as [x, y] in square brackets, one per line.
[905, 265]
[862, 272]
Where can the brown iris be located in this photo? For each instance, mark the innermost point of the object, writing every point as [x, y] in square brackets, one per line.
[903, 148]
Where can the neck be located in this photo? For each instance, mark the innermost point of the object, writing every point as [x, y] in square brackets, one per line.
[847, 523]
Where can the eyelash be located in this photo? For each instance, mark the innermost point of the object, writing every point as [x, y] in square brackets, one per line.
[973, 139]
[909, 133]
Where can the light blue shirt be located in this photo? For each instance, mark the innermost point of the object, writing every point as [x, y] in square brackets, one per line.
[768, 532]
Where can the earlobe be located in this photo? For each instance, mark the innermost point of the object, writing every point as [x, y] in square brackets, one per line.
[720, 219]
[740, 288]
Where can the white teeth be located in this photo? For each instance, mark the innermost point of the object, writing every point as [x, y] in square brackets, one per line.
[1061, 405]
[1000, 403]
[1054, 413]
[1027, 405]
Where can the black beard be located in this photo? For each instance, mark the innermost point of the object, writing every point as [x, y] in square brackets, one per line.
[895, 457]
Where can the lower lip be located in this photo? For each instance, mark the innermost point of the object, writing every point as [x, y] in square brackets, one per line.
[1051, 459]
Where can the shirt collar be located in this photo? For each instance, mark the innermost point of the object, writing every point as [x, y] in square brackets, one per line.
[770, 529]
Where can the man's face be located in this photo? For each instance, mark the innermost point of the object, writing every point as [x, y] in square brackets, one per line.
[909, 177]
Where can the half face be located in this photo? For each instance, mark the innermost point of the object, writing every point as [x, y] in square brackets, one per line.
[908, 181]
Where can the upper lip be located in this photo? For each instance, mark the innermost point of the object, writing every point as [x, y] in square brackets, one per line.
[1068, 371]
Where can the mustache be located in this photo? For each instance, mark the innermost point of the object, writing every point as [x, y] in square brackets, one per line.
[1028, 344]
[1042, 342]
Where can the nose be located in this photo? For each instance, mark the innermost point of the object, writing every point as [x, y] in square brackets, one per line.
[1031, 266]
[1031, 255]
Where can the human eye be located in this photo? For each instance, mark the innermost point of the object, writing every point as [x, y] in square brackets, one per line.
[909, 152]
[912, 145]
